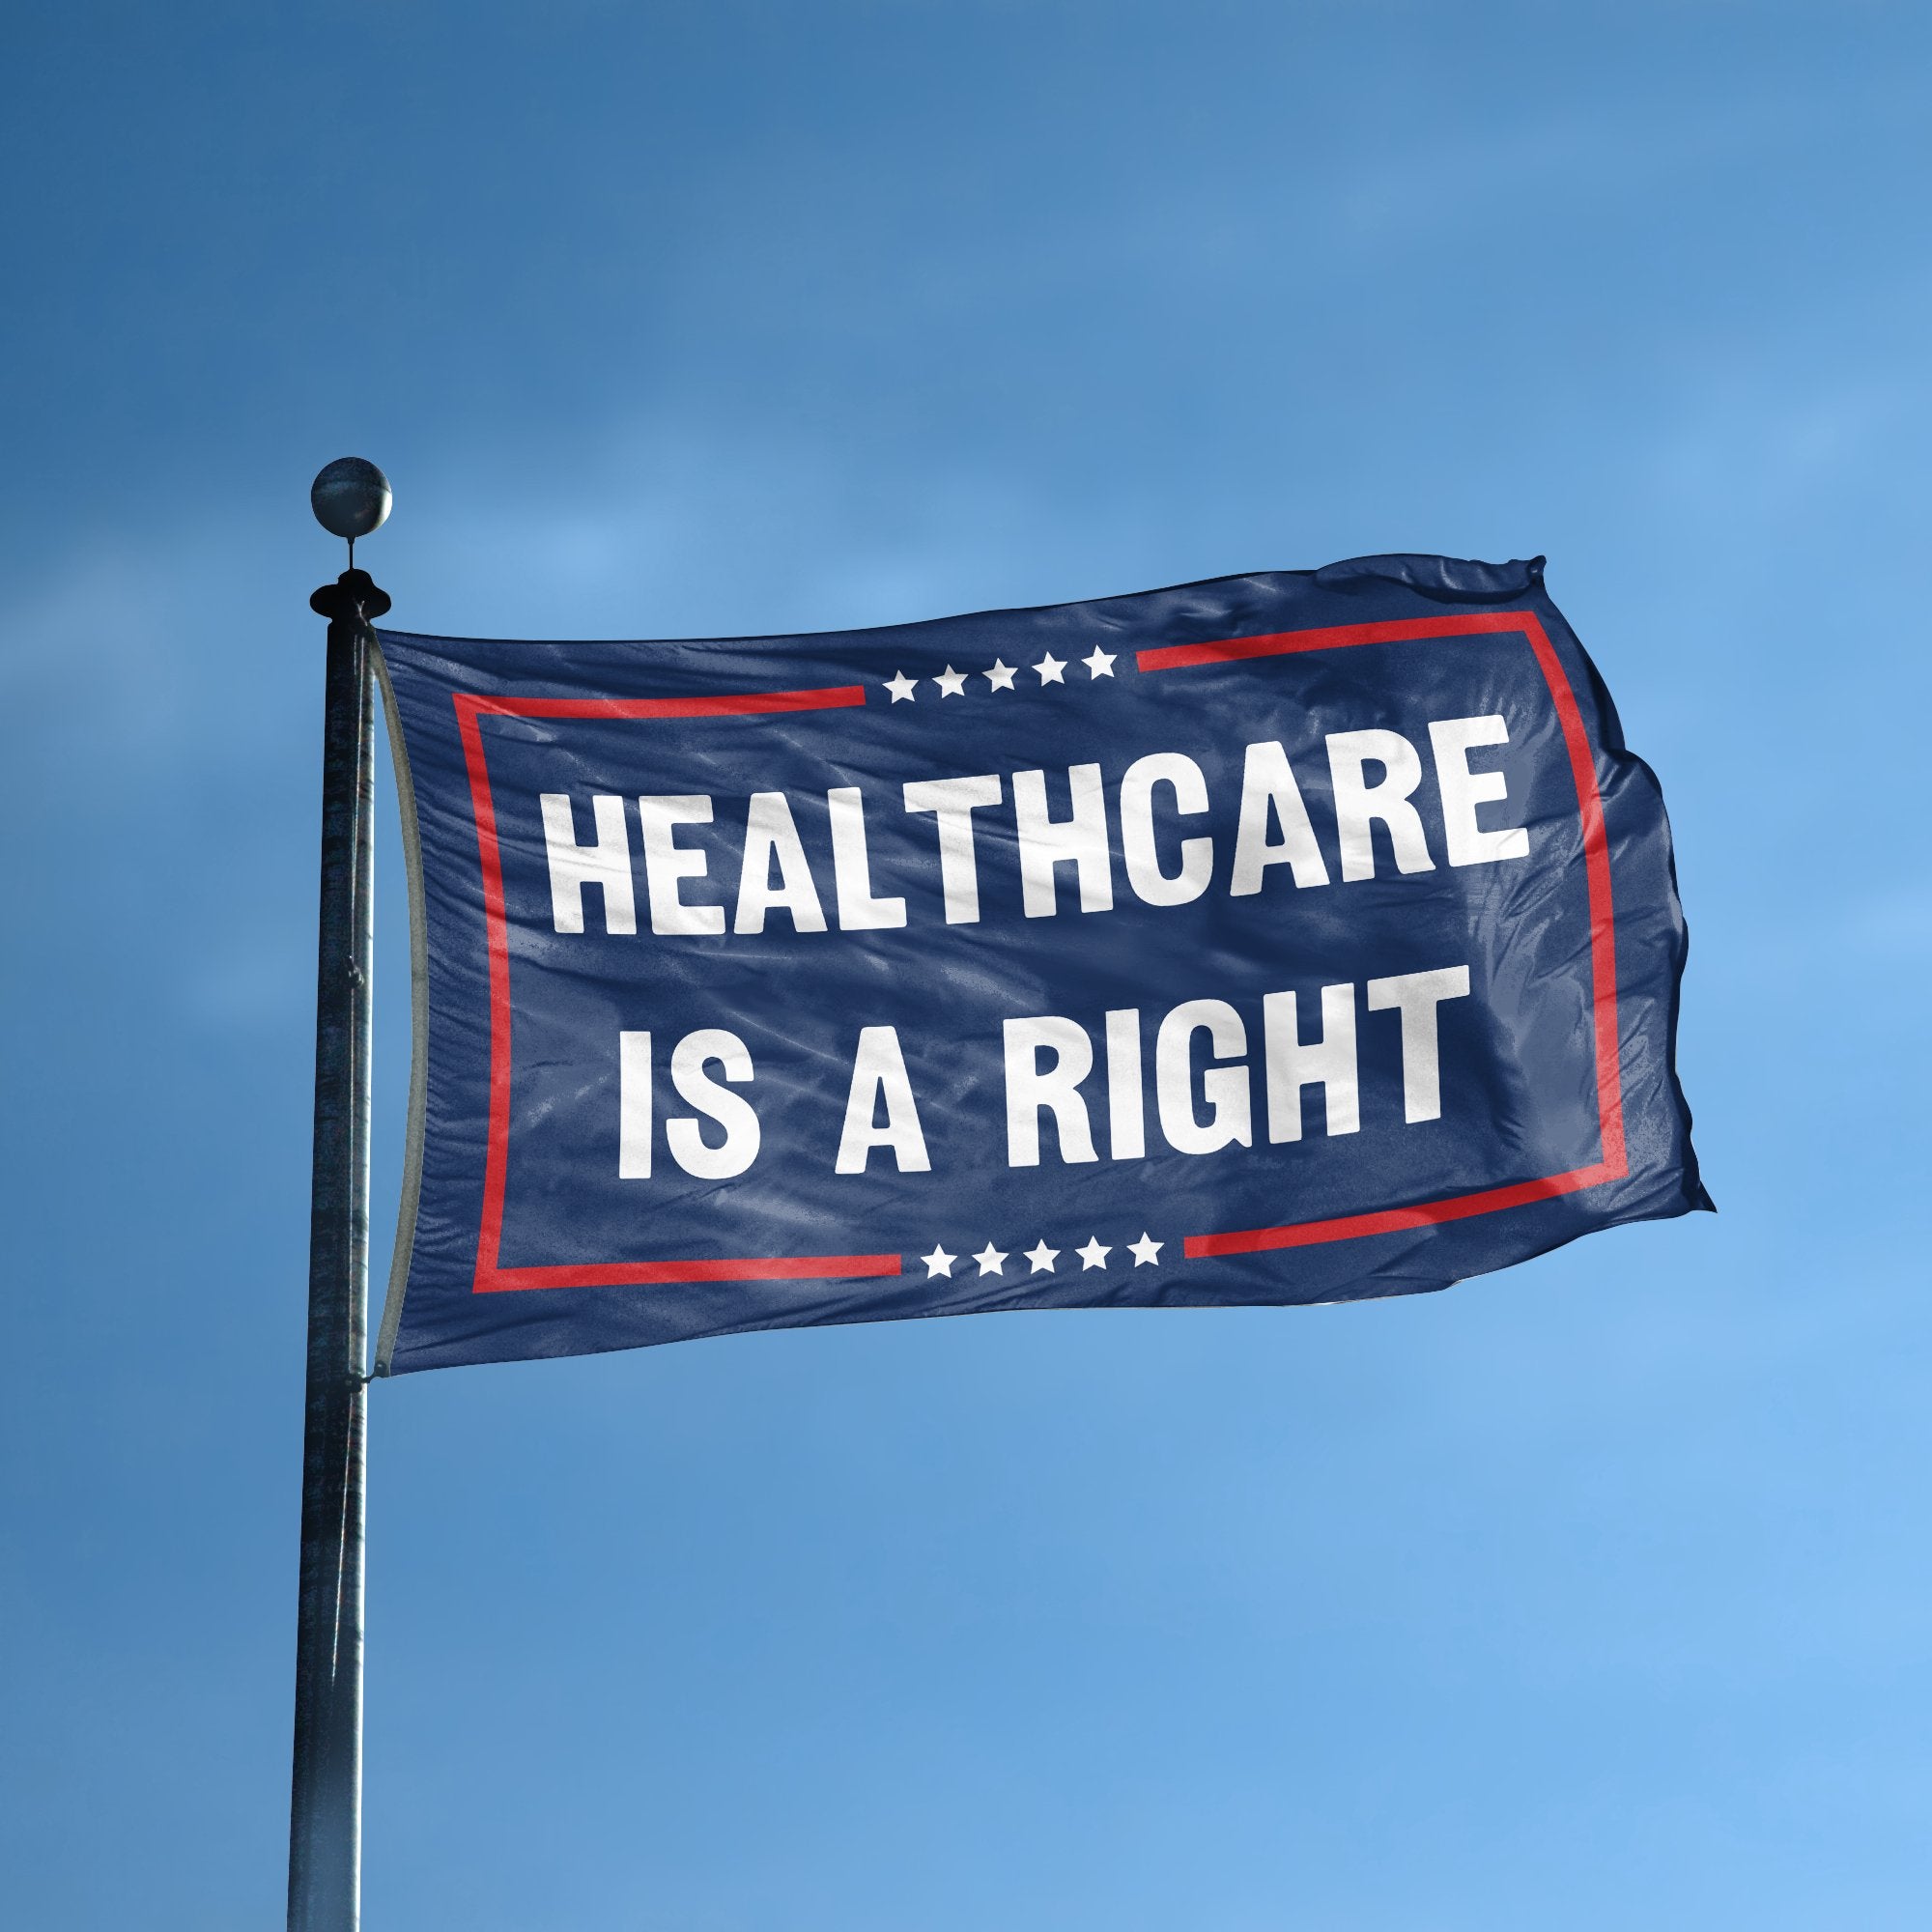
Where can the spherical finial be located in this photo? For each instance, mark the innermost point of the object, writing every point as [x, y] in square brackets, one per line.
[350, 497]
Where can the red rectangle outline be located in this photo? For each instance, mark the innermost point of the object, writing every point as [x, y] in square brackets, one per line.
[490, 1278]
[1615, 1163]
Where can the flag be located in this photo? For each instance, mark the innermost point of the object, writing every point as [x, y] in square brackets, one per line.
[1297, 937]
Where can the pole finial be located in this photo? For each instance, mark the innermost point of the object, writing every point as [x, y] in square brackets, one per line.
[350, 498]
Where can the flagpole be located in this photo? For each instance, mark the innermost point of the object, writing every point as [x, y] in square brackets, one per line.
[351, 499]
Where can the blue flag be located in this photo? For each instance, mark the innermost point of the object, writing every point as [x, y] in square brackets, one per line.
[1300, 937]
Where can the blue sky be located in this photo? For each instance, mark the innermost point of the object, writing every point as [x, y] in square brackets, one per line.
[1591, 1595]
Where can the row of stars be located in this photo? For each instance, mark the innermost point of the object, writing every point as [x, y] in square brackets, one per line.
[952, 683]
[1146, 1253]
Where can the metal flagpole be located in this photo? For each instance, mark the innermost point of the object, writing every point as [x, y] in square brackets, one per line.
[351, 499]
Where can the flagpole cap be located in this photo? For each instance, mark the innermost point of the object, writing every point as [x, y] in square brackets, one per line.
[350, 498]
[354, 598]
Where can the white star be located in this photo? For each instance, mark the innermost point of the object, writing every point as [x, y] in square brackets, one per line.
[991, 1261]
[952, 683]
[1100, 663]
[1001, 676]
[1092, 1254]
[1042, 1258]
[901, 687]
[1145, 1250]
[1049, 668]
[938, 1261]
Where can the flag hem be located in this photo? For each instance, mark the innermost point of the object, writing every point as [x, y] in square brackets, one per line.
[412, 1133]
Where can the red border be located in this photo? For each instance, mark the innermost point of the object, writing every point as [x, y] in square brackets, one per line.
[490, 1278]
[1615, 1163]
